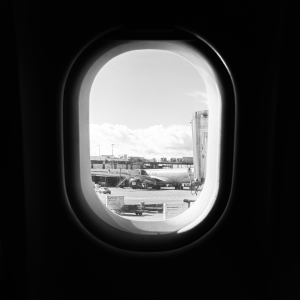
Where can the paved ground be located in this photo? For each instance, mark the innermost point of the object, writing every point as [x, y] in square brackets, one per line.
[149, 196]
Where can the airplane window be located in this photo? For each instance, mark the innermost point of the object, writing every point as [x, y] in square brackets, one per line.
[146, 163]
[142, 105]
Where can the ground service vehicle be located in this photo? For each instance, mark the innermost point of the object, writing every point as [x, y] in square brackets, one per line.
[104, 190]
[252, 252]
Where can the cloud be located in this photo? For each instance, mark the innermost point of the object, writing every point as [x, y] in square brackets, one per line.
[199, 96]
[152, 142]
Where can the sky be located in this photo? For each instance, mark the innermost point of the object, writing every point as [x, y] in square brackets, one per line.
[142, 101]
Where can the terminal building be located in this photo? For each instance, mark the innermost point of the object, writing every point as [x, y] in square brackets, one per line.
[199, 124]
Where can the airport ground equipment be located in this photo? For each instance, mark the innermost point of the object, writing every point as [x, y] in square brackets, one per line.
[138, 209]
[135, 208]
[188, 202]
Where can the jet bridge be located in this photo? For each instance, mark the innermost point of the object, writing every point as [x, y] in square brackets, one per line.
[199, 136]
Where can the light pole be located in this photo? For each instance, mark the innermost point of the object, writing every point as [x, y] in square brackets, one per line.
[112, 154]
[99, 151]
[112, 151]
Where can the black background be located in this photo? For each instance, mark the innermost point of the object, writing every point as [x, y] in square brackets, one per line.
[251, 254]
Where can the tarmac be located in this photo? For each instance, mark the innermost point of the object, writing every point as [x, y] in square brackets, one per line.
[149, 196]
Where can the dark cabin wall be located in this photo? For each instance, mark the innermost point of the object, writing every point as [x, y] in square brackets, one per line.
[250, 254]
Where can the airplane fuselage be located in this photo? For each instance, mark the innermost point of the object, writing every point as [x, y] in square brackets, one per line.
[155, 176]
[171, 175]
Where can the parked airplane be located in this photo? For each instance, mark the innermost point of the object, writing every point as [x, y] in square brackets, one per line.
[150, 177]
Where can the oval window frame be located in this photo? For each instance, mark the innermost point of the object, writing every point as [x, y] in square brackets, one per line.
[88, 211]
